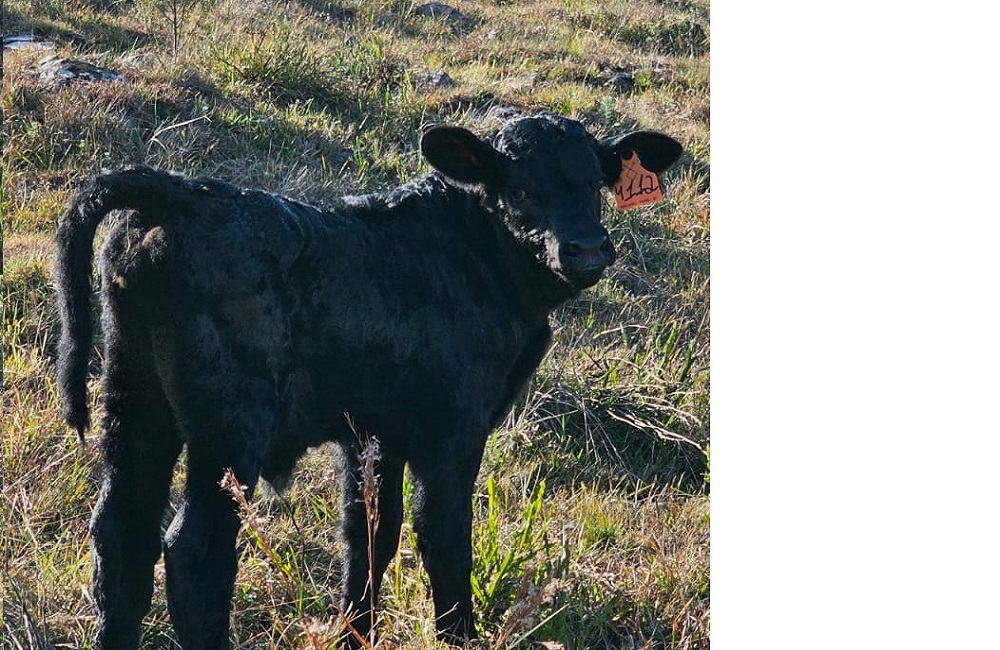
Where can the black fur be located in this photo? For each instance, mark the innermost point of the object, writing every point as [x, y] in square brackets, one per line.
[249, 327]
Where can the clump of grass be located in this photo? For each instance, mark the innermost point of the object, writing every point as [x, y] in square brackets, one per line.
[28, 309]
[279, 65]
[282, 64]
[682, 38]
[677, 30]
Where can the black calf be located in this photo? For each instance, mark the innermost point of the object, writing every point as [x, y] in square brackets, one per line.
[249, 327]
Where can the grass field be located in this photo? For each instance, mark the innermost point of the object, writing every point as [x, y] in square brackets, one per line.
[592, 507]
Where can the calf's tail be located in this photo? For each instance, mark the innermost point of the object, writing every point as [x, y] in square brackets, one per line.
[143, 189]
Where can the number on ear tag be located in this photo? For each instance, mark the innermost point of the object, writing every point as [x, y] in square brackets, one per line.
[636, 186]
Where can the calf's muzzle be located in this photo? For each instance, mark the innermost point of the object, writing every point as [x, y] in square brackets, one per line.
[582, 260]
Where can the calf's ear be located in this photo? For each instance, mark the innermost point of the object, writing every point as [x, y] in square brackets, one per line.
[656, 152]
[461, 156]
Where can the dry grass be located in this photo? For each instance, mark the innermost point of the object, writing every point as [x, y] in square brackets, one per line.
[606, 456]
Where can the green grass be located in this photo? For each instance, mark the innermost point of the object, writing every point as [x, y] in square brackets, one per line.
[591, 524]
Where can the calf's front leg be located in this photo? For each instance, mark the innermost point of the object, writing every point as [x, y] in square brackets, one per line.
[442, 519]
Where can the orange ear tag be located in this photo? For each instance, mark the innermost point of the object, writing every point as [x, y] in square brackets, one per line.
[636, 186]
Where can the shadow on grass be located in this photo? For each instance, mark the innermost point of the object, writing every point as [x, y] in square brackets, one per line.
[610, 443]
[87, 32]
[696, 167]
[336, 12]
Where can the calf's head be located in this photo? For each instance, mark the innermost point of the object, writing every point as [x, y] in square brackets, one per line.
[544, 175]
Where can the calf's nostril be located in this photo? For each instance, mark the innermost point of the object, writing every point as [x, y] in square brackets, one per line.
[590, 247]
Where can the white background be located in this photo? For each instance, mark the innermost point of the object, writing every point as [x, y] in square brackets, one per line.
[855, 300]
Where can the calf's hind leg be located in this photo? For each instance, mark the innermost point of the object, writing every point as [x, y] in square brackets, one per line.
[201, 556]
[200, 545]
[223, 397]
[140, 448]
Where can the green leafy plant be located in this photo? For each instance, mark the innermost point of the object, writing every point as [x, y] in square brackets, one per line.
[499, 567]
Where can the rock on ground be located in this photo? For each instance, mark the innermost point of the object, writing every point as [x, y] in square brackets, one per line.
[57, 71]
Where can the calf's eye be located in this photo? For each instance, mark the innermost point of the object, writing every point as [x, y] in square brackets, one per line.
[516, 195]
